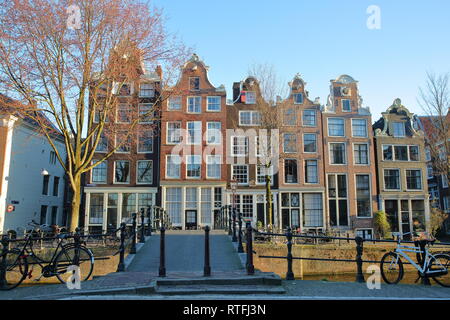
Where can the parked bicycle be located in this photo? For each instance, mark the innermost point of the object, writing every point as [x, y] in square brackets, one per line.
[436, 266]
[19, 263]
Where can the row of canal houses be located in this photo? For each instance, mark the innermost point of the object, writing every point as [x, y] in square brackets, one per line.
[334, 171]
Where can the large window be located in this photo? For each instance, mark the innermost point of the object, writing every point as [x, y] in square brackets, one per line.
[145, 171]
[173, 204]
[309, 142]
[290, 117]
[193, 166]
[311, 172]
[337, 153]
[173, 132]
[205, 205]
[145, 141]
[363, 195]
[173, 166]
[312, 210]
[289, 143]
[290, 171]
[194, 104]
[249, 118]
[213, 132]
[240, 173]
[122, 171]
[392, 179]
[128, 206]
[399, 129]
[213, 103]
[359, 128]
[99, 172]
[194, 132]
[290, 210]
[309, 118]
[147, 90]
[361, 153]
[213, 163]
[239, 146]
[414, 179]
[400, 153]
[337, 195]
[174, 103]
[96, 208]
[336, 127]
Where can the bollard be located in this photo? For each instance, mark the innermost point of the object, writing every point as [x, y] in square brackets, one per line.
[77, 242]
[207, 268]
[250, 266]
[142, 233]
[359, 261]
[234, 239]
[121, 266]
[290, 273]
[133, 234]
[230, 232]
[5, 244]
[162, 253]
[240, 248]
[149, 221]
[421, 261]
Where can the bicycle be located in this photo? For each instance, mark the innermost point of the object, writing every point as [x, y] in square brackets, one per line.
[16, 261]
[435, 266]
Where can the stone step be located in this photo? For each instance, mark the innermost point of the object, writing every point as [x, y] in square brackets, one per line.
[218, 289]
[266, 280]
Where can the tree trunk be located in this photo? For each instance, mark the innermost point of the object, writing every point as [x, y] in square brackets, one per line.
[76, 202]
[269, 201]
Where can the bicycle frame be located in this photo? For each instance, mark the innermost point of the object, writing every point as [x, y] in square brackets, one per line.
[401, 251]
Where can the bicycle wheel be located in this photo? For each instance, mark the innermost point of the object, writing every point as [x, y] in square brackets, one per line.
[391, 268]
[16, 269]
[72, 256]
[439, 262]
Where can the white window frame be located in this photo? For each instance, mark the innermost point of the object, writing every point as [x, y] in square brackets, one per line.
[180, 98]
[208, 104]
[399, 179]
[152, 89]
[253, 93]
[129, 173]
[315, 118]
[251, 124]
[305, 171]
[404, 129]
[368, 154]
[195, 98]
[148, 115]
[328, 126]
[316, 146]
[366, 128]
[345, 154]
[123, 145]
[208, 157]
[119, 109]
[218, 132]
[421, 179]
[258, 175]
[167, 132]
[106, 175]
[188, 162]
[197, 139]
[370, 195]
[138, 140]
[137, 172]
[241, 165]
[246, 146]
[296, 140]
[167, 166]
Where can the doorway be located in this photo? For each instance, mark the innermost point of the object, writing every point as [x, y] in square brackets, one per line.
[191, 219]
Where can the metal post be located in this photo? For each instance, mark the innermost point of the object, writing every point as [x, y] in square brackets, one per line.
[359, 261]
[149, 222]
[425, 278]
[121, 266]
[133, 234]
[240, 248]
[207, 268]
[3, 282]
[290, 273]
[230, 232]
[250, 266]
[162, 253]
[142, 237]
[234, 239]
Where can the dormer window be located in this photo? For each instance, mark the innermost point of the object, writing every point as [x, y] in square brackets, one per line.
[248, 97]
[147, 90]
[122, 89]
[298, 98]
[346, 106]
[194, 83]
[399, 129]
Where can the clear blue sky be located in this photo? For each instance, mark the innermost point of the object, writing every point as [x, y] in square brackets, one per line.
[321, 40]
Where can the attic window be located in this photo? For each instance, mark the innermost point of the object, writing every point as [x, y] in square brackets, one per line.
[248, 97]
[298, 98]
[194, 83]
[399, 129]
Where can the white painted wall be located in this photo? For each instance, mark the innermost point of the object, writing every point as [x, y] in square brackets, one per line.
[30, 154]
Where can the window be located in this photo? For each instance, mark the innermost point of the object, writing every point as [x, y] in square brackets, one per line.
[290, 117]
[173, 132]
[147, 90]
[194, 132]
[249, 118]
[99, 114]
[261, 172]
[240, 173]
[444, 181]
[290, 171]
[144, 200]
[249, 97]
[174, 103]
[173, 166]
[122, 89]
[312, 210]
[337, 195]
[361, 153]
[346, 105]
[213, 163]
[145, 171]
[52, 157]
[413, 153]
[309, 142]
[123, 113]
[213, 133]
[418, 215]
[413, 179]
[205, 205]
[399, 129]
[193, 166]
[289, 142]
[298, 98]
[290, 211]
[54, 216]
[194, 104]
[145, 142]
[311, 175]
[387, 152]
[213, 104]
[102, 145]
[336, 127]
[392, 179]
[122, 171]
[239, 146]
[191, 198]
[43, 217]
[247, 205]
[123, 140]
[359, 128]
[128, 206]
[194, 83]
[173, 203]
[401, 153]
[309, 118]
[364, 233]
[363, 195]
[45, 184]
[145, 113]
[99, 172]
[55, 186]
[427, 154]
[429, 171]
[96, 208]
[337, 153]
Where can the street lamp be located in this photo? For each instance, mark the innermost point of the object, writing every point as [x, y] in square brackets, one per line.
[44, 172]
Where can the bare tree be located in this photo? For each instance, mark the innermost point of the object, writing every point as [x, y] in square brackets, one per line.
[68, 61]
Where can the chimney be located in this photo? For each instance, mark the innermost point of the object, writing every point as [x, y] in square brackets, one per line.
[158, 71]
